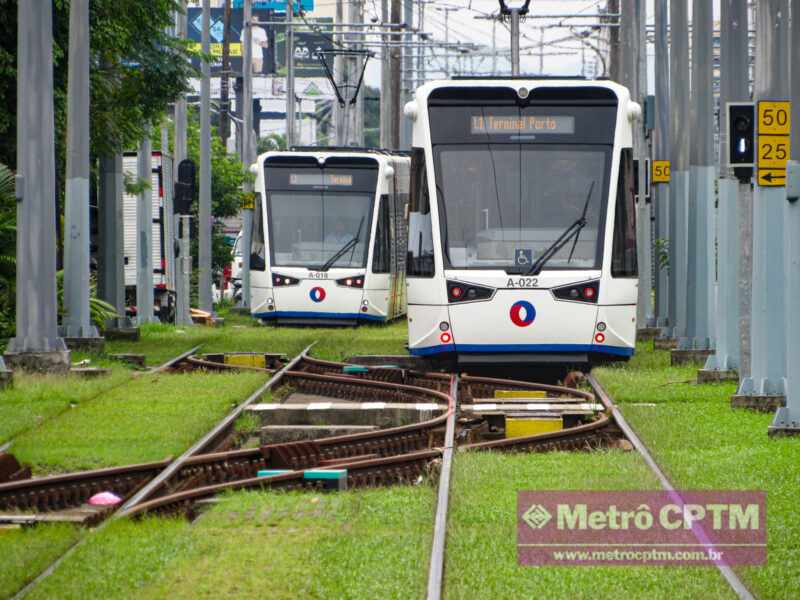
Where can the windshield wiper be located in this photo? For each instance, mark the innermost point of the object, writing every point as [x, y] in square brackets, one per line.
[343, 250]
[573, 229]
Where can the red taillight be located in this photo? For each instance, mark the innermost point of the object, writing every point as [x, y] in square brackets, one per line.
[588, 293]
[351, 282]
[599, 338]
[456, 292]
[446, 338]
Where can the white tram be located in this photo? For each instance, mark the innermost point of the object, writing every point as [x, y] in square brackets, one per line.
[329, 236]
[522, 238]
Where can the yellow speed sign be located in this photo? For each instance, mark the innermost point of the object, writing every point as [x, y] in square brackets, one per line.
[774, 118]
[661, 172]
[773, 151]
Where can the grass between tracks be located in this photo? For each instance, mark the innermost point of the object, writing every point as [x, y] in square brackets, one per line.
[481, 557]
[27, 552]
[701, 443]
[359, 544]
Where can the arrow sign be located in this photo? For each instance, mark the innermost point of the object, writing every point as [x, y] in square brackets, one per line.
[771, 177]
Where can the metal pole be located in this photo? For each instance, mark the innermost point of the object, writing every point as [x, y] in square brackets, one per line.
[408, 65]
[768, 340]
[396, 66]
[514, 42]
[422, 47]
[787, 419]
[247, 145]
[447, 41]
[661, 148]
[386, 96]
[643, 214]
[111, 275]
[167, 176]
[358, 129]
[614, 49]
[338, 68]
[679, 161]
[36, 345]
[183, 310]
[204, 214]
[494, 48]
[289, 74]
[144, 234]
[733, 88]
[77, 322]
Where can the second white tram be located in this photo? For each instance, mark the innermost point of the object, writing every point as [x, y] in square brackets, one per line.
[329, 236]
[522, 237]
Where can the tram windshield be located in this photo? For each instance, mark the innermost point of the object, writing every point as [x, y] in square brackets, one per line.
[319, 229]
[513, 174]
[506, 204]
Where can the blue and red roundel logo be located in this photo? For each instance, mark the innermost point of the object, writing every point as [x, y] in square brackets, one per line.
[522, 313]
[317, 294]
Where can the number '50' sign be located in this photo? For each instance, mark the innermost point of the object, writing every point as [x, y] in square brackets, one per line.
[774, 118]
[661, 171]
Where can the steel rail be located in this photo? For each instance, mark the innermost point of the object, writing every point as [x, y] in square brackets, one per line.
[173, 362]
[436, 566]
[730, 576]
[208, 439]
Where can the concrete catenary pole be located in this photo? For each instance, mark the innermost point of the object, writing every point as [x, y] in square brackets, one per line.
[247, 144]
[787, 419]
[700, 273]
[661, 147]
[768, 340]
[290, 96]
[167, 176]
[644, 245]
[144, 234]
[339, 64]
[679, 161]
[514, 42]
[733, 88]
[357, 8]
[394, 82]
[183, 267]
[77, 321]
[204, 214]
[408, 72]
[386, 97]
[36, 345]
[111, 275]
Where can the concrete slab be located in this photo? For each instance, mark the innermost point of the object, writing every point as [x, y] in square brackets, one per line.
[90, 372]
[130, 334]
[716, 376]
[685, 357]
[759, 403]
[665, 343]
[56, 361]
[403, 361]
[277, 434]
[95, 345]
[648, 333]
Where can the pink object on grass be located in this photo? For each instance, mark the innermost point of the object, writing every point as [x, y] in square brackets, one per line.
[104, 499]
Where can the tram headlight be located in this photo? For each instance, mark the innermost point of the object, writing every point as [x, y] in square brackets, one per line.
[464, 292]
[279, 280]
[580, 292]
[356, 281]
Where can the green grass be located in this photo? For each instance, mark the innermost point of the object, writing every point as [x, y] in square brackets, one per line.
[360, 544]
[149, 418]
[701, 443]
[482, 535]
[27, 552]
[35, 398]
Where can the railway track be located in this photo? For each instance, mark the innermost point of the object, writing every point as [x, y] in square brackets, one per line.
[383, 456]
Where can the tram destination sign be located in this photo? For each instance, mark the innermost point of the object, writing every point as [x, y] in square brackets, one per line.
[538, 124]
[320, 179]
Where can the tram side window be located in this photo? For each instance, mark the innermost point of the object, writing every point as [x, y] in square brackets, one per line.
[623, 253]
[420, 232]
[381, 252]
[257, 246]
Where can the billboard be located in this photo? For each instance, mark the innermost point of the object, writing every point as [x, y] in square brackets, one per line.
[263, 39]
[306, 46]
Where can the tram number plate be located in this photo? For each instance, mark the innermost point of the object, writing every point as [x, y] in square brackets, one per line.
[522, 282]
[317, 275]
